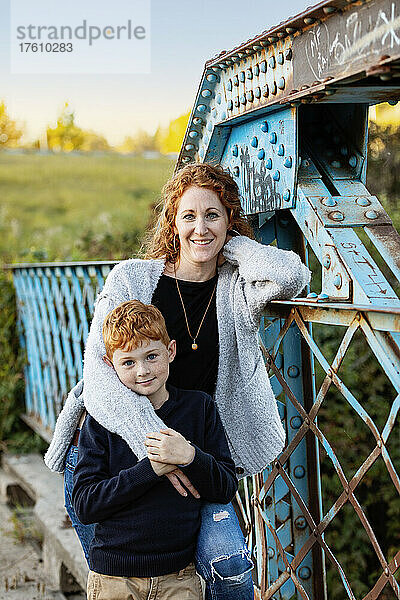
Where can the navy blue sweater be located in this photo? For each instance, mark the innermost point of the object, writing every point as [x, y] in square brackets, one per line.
[145, 528]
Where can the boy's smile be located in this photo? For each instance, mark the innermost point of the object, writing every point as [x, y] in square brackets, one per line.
[145, 369]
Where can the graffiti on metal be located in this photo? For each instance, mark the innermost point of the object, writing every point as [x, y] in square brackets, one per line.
[335, 46]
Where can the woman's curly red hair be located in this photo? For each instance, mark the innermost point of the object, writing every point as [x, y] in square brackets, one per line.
[161, 241]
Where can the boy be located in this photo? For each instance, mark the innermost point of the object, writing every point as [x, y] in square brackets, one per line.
[146, 531]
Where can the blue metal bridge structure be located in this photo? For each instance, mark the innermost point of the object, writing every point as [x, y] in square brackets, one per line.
[287, 114]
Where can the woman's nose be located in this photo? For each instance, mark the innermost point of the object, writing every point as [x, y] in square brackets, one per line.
[201, 227]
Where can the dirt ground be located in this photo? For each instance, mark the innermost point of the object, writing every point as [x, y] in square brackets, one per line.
[21, 569]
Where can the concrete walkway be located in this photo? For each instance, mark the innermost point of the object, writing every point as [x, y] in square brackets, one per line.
[58, 566]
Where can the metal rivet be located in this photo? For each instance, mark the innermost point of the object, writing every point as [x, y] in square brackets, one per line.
[236, 171]
[280, 59]
[276, 176]
[304, 572]
[353, 161]
[281, 83]
[322, 297]
[211, 77]
[272, 138]
[300, 522]
[229, 85]
[312, 295]
[193, 134]
[235, 150]
[186, 159]
[293, 371]
[328, 201]
[243, 99]
[209, 126]
[379, 443]
[362, 201]
[309, 20]
[236, 81]
[261, 154]
[328, 10]
[336, 215]
[223, 116]
[337, 282]
[288, 162]
[256, 70]
[281, 150]
[268, 164]
[286, 196]
[250, 95]
[254, 142]
[299, 471]
[273, 88]
[266, 91]
[206, 93]
[336, 164]
[288, 53]
[201, 108]
[387, 572]
[249, 74]
[271, 552]
[326, 261]
[272, 62]
[197, 121]
[371, 214]
[219, 99]
[242, 76]
[237, 101]
[257, 92]
[264, 127]
[295, 422]
[189, 147]
[288, 568]
[230, 105]
[263, 66]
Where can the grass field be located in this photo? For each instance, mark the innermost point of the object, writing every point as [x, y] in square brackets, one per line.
[73, 207]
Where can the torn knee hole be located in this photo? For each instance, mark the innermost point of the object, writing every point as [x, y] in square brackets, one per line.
[233, 567]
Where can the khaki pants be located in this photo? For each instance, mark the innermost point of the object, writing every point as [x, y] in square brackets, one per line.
[182, 585]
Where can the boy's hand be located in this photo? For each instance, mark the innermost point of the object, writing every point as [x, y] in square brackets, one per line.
[161, 468]
[169, 446]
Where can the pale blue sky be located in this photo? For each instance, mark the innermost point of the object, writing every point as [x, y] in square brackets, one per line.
[184, 34]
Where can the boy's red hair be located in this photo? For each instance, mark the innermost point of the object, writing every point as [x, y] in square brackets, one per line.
[131, 324]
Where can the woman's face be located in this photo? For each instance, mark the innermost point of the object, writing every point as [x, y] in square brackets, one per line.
[201, 223]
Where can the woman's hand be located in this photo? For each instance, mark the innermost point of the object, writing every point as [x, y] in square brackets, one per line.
[221, 257]
[169, 446]
[176, 477]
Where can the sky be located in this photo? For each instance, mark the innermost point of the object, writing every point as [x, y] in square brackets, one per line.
[184, 34]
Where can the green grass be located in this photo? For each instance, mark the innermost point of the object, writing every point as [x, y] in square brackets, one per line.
[73, 207]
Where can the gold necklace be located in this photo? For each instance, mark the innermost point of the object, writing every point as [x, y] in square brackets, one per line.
[194, 345]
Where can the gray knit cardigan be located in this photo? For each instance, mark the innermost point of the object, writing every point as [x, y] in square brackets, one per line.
[253, 275]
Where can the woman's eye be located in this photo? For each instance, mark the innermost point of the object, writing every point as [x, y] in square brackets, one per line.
[213, 215]
[187, 217]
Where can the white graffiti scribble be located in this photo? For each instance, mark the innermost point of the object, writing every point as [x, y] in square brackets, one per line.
[360, 36]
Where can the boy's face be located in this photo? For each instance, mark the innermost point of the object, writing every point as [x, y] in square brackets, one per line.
[144, 369]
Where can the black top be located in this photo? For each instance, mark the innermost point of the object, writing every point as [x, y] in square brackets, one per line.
[191, 369]
[145, 528]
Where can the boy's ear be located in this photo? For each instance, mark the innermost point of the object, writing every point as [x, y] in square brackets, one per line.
[108, 361]
[171, 350]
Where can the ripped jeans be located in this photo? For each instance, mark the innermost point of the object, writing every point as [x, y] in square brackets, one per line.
[222, 557]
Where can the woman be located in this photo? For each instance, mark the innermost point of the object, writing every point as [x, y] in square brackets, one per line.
[211, 289]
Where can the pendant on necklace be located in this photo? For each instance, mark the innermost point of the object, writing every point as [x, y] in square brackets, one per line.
[194, 346]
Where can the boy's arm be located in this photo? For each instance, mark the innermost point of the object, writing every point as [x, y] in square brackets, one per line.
[212, 470]
[96, 496]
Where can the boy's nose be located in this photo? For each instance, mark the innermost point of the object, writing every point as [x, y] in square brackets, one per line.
[142, 369]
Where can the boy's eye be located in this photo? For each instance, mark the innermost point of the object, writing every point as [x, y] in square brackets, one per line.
[128, 363]
[152, 356]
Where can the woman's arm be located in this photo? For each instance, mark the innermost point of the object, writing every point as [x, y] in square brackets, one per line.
[268, 273]
[113, 405]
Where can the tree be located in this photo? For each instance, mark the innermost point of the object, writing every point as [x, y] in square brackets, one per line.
[66, 136]
[170, 139]
[140, 142]
[9, 131]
